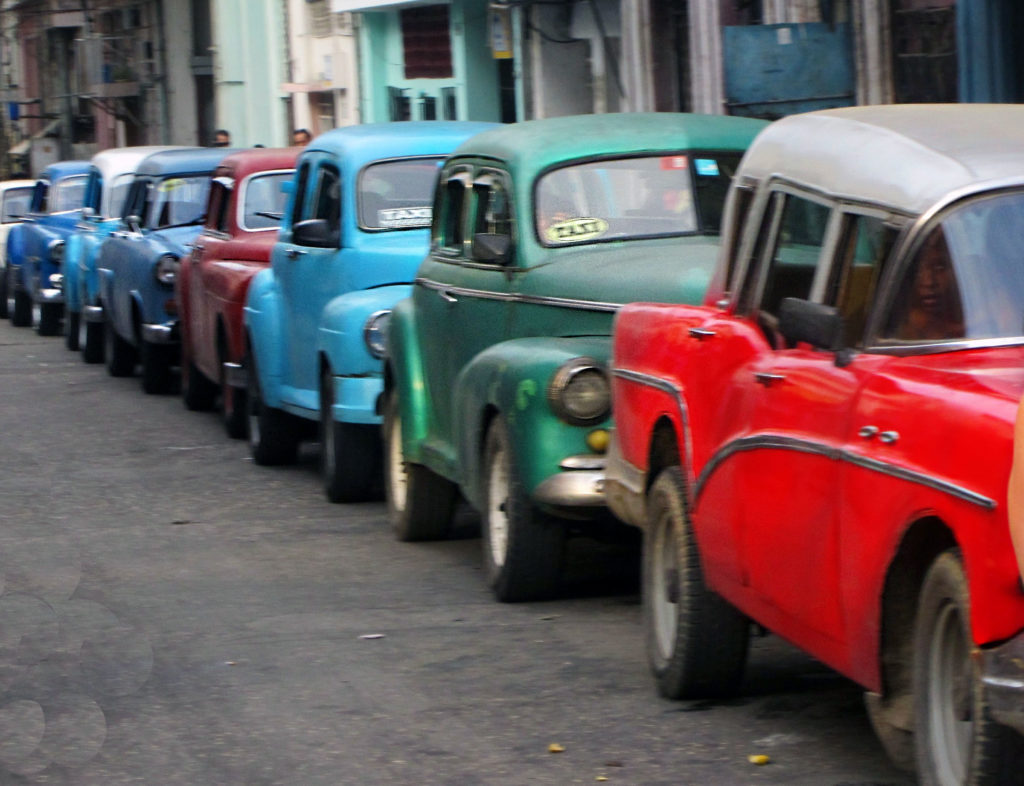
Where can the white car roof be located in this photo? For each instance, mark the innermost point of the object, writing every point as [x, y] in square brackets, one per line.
[6, 184]
[906, 156]
[119, 161]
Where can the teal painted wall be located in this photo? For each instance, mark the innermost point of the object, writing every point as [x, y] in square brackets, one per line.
[475, 73]
[249, 61]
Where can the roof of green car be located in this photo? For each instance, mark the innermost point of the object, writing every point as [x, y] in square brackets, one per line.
[535, 145]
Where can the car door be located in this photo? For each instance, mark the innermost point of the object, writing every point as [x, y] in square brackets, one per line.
[308, 276]
[462, 294]
[797, 402]
[116, 258]
[202, 293]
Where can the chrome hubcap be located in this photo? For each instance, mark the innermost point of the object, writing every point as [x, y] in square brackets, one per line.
[398, 478]
[497, 508]
[664, 589]
[950, 694]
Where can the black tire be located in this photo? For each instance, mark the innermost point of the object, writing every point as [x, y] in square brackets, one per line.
[21, 315]
[523, 547]
[120, 355]
[50, 315]
[958, 742]
[350, 453]
[156, 361]
[91, 341]
[234, 410]
[897, 739]
[71, 329]
[697, 642]
[3, 294]
[420, 503]
[273, 435]
[197, 391]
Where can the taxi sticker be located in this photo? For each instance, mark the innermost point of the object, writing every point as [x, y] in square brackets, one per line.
[403, 217]
[674, 162]
[707, 167]
[170, 184]
[576, 230]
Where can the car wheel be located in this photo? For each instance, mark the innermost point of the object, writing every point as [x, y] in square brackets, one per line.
[197, 391]
[420, 502]
[49, 318]
[523, 547]
[349, 452]
[71, 329]
[156, 360]
[121, 356]
[696, 641]
[21, 315]
[3, 294]
[91, 341]
[957, 740]
[273, 434]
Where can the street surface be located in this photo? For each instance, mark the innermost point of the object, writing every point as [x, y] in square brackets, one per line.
[171, 613]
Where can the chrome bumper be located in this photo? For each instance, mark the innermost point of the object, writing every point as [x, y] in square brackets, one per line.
[50, 295]
[160, 334]
[93, 313]
[235, 374]
[1002, 672]
[579, 485]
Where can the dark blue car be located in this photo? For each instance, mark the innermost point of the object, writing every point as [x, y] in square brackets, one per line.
[35, 248]
[138, 264]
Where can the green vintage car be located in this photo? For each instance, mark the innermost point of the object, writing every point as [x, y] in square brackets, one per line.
[496, 382]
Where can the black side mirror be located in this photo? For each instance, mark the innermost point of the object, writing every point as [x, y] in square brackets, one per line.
[492, 248]
[134, 223]
[315, 233]
[813, 323]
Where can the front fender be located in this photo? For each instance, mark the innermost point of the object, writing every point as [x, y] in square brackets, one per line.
[511, 379]
[262, 320]
[404, 374]
[72, 272]
[16, 247]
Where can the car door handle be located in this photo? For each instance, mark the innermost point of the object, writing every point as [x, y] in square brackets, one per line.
[867, 432]
[889, 437]
[766, 379]
[447, 296]
[294, 253]
[701, 333]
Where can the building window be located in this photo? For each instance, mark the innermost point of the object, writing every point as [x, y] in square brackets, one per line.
[319, 18]
[426, 42]
[924, 51]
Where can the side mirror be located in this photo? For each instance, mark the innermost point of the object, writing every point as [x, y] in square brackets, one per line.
[88, 214]
[492, 248]
[315, 233]
[134, 223]
[813, 323]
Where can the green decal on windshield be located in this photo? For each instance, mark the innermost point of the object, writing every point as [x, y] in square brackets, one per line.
[171, 184]
[576, 230]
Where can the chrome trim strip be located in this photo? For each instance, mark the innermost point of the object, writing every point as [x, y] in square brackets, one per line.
[578, 489]
[583, 462]
[539, 300]
[780, 442]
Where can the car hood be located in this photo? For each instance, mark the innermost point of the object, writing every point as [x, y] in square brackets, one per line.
[664, 270]
[176, 238]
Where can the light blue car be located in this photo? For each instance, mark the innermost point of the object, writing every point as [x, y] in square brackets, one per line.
[110, 174]
[356, 229]
[138, 263]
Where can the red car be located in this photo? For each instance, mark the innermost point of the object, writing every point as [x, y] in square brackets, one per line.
[823, 448]
[246, 202]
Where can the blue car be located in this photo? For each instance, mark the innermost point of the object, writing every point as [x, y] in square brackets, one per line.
[356, 229]
[35, 248]
[110, 175]
[138, 263]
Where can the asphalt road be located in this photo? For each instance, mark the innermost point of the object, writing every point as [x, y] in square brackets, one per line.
[171, 613]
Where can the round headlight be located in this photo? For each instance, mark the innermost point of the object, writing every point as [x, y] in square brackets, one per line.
[579, 392]
[166, 269]
[375, 333]
[56, 249]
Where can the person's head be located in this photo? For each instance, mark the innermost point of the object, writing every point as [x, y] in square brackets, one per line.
[301, 137]
[221, 138]
[935, 289]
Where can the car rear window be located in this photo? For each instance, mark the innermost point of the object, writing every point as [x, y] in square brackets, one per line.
[15, 205]
[397, 194]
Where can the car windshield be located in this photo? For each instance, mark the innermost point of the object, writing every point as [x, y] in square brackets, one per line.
[397, 194]
[15, 204]
[177, 201]
[264, 201]
[67, 194]
[630, 198]
[118, 192]
[966, 278]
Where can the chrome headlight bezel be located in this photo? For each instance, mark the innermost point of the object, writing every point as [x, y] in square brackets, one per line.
[165, 271]
[55, 250]
[375, 333]
[567, 386]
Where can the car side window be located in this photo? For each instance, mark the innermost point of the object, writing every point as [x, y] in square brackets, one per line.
[217, 216]
[737, 213]
[865, 244]
[449, 212]
[492, 207]
[40, 196]
[299, 207]
[326, 201]
[795, 227]
[15, 205]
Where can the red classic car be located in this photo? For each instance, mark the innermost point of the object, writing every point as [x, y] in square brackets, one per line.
[824, 448]
[246, 202]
